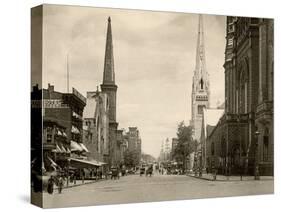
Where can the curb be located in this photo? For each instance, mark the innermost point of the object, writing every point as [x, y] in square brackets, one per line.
[203, 178]
[76, 185]
[221, 180]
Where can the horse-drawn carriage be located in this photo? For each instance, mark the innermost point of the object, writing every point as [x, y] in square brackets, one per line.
[149, 171]
[142, 171]
[114, 173]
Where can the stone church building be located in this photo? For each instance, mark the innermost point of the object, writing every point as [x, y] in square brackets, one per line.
[243, 138]
[200, 97]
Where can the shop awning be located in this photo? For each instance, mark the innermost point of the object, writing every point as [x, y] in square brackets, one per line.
[75, 147]
[84, 147]
[68, 150]
[53, 164]
[83, 163]
[75, 130]
[59, 132]
[63, 149]
[57, 150]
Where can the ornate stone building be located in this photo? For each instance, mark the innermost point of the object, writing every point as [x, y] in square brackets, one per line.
[244, 135]
[100, 125]
[96, 126]
[200, 85]
[110, 88]
[200, 88]
[264, 110]
[134, 141]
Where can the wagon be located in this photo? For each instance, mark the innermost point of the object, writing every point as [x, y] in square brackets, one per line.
[142, 171]
[114, 173]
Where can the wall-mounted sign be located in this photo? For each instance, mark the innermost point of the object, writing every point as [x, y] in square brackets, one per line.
[48, 103]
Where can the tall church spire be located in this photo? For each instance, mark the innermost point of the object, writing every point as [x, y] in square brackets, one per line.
[200, 51]
[108, 72]
[200, 85]
[108, 85]
[201, 77]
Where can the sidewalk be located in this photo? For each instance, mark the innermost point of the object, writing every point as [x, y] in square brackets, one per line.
[230, 178]
[79, 183]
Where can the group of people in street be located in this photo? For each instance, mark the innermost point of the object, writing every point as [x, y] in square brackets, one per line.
[58, 181]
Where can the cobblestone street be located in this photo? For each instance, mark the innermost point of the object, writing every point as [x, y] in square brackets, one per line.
[134, 188]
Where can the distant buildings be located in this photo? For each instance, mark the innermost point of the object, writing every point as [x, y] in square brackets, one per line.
[175, 142]
[165, 152]
[122, 144]
[134, 141]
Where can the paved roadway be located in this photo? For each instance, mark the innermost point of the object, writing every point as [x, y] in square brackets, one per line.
[134, 188]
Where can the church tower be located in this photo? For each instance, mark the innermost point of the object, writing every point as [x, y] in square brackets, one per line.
[200, 85]
[110, 88]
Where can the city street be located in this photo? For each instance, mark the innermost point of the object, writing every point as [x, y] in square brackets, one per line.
[133, 188]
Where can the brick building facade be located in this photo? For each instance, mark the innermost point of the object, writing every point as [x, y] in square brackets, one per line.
[62, 124]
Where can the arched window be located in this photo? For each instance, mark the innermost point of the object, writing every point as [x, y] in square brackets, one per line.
[223, 148]
[200, 109]
[243, 88]
[201, 84]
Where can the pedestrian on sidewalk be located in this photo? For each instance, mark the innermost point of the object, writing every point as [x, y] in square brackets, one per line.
[74, 178]
[106, 174]
[241, 169]
[50, 187]
[60, 184]
[227, 172]
[83, 176]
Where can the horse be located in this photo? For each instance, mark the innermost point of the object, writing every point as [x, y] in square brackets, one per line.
[149, 172]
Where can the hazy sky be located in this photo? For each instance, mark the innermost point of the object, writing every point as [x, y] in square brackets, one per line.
[154, 55]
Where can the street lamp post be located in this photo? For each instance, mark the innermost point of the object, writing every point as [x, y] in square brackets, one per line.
[195, 165]
[257, 173]
[240, 148]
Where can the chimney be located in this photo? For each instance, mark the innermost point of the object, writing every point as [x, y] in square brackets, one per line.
[35, 88]
[50, 88]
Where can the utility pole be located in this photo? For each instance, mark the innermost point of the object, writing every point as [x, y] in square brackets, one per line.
[67, 74]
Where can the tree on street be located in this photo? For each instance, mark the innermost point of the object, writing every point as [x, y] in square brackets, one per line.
[131, 158]
[186, 144]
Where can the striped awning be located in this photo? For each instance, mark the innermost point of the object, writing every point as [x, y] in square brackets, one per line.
[84, 147]
[75, 147]
[83, 163]
[75, 130]
[57, 149]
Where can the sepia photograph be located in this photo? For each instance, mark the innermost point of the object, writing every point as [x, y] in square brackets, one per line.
[132, 106]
